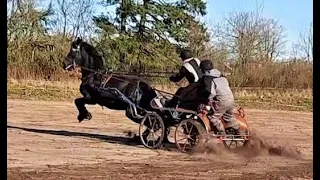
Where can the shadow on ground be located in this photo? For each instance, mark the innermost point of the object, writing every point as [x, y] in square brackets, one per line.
[131, 141]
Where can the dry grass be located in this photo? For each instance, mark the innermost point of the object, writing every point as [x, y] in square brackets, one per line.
[294, 75]
[270, 98]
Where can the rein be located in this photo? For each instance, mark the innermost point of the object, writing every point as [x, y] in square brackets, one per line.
[120, 79]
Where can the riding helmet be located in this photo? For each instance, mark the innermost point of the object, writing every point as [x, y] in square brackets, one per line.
[186, 54]
[206, 65]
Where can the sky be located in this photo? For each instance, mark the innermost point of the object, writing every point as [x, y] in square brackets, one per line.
[294, 15]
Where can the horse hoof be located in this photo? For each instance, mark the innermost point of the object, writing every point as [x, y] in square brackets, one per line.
[89, 116]
[81, 117]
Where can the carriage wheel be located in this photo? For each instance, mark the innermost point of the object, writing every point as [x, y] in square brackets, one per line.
[232, 144]
[152, 131]
[187, 134]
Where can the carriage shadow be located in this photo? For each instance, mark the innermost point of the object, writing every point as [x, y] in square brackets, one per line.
[106, 138]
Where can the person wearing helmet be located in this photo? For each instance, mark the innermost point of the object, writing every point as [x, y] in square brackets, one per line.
[191, 71]
[215, 87]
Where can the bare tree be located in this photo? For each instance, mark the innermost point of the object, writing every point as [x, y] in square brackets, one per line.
[251, 37]
[305, 45]
[238, 32]
[64, 9]
[74, 17]
[82, 14]
[272, 40]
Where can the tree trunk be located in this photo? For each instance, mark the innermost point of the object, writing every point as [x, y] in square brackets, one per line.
[123, 17]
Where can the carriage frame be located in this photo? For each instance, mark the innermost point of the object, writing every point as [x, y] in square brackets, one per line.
[191, 124]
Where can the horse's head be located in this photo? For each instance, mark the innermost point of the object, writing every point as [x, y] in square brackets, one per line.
[74, 56]
[84, 55]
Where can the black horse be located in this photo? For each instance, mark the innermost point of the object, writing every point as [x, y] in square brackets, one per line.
[93, 76]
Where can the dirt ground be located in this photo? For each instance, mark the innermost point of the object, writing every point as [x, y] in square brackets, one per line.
[45, 141]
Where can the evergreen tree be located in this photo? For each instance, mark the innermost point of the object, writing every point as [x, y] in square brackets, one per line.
[138, 23]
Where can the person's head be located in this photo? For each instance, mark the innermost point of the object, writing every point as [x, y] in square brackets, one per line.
[185, 54]
[206, 65]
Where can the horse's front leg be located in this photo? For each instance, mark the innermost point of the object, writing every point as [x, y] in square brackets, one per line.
[83, 112]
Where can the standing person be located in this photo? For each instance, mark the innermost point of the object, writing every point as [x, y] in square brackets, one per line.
[191, 71]
[220, 97]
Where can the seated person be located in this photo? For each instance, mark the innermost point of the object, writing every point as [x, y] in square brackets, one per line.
[215, 87]
[191, 71]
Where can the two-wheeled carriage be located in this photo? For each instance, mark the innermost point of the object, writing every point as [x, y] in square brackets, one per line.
[189, 127]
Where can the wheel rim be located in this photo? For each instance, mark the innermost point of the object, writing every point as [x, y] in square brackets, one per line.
[232, 144]
[151, 131]
[186, 135]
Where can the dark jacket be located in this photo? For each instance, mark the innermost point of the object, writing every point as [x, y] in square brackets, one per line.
[190, 70]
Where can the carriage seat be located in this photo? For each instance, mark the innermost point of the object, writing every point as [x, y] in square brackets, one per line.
[159, 103]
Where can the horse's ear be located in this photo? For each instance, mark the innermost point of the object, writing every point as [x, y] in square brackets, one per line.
[79, 40]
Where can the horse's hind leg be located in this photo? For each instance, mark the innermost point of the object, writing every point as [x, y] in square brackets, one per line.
[83, 112]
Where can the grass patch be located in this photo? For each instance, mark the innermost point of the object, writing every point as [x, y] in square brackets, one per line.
[282, 99]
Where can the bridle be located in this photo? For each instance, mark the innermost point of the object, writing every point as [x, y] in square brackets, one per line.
[73, 64]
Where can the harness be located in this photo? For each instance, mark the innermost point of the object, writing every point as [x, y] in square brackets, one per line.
[136, 95]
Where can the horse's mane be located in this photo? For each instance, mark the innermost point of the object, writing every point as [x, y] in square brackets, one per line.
[98, 59]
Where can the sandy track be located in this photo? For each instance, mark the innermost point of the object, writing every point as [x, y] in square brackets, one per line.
[45, 141]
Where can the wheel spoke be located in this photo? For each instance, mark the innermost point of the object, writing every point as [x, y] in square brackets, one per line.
[181, 132]
[155, 133]
[154, 123]
[146, 132]
[190, 129]
[149, 121]
[191, 139]
[182, 139]
[153, 142]
[148, 129]
[184, 147]
[231, 143]
[186, 126]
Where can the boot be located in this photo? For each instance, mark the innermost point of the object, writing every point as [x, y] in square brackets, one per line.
[221, 130]
[237, 131]
[236, 128]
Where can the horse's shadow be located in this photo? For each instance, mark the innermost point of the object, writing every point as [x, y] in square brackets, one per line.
[130, 141]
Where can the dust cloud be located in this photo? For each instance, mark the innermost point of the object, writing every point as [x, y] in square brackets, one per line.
[257, 145]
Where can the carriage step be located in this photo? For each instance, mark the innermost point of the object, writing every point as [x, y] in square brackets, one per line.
[230, 137]
[235, 139]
